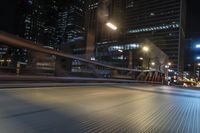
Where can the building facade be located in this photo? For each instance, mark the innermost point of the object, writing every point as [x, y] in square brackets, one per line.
[75, 33]
[161, 22]
[99, 36]
[41, 21]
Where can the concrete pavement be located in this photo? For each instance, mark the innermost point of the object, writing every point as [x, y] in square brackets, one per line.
[118, 108]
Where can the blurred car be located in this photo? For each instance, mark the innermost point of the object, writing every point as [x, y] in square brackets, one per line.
[189, 84]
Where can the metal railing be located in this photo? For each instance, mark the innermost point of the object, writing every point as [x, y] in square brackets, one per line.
[96, 71]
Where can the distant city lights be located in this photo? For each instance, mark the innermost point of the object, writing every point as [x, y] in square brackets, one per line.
[197, 45]
[170, 70]
[198, 57]
[93, 59]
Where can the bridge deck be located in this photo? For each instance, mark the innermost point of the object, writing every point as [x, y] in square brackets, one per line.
[109, 108]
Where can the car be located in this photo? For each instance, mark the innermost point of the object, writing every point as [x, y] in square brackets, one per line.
[189, 84]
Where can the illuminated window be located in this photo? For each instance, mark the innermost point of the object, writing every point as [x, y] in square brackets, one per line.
[155, 28]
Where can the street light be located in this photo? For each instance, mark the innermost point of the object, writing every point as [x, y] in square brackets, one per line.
[112, 26]
[167, 66]
[153, 63]
[169, 63]
[197, 46]
[145, 49]
[121, 51]
[1, 61]
[198, 57]
[141, 58]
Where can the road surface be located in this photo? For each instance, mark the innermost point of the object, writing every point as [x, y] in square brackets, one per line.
[117, 108]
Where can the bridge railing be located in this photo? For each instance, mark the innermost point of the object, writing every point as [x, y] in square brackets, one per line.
[40, 62]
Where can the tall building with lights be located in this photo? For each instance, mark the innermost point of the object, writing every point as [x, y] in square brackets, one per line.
[41, 20]
[112, 46]
[161, 23]
[75, 26]
[99, 36]
[91, 26]
[74, 37]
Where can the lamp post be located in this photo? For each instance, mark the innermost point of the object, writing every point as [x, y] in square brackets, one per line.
[1, 61]
[167, 68]
[146, 50]
[141, 62]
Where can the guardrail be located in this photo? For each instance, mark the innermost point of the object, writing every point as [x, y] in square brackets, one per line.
[66, 79]
[139, 75]
[22, 43]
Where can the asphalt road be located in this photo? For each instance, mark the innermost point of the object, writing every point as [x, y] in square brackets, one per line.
[107, 108]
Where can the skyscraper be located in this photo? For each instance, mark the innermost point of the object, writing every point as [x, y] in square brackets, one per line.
[161, 22]
[91, 26]
[100, 13]
[40, 21]
[75, 33]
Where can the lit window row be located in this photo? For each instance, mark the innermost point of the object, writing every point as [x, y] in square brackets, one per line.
[4, 49]
[1, 53]
[124, 47]
[106, 42]
[155, 28]
[93, 6]
[78, 49]
[118, 58]
[77, 8]
[130, 4]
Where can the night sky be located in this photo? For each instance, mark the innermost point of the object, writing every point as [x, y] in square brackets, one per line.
[7, 15]
[193, 19]
[8, 9]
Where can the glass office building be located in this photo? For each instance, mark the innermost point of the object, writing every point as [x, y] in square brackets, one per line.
[160, 22]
